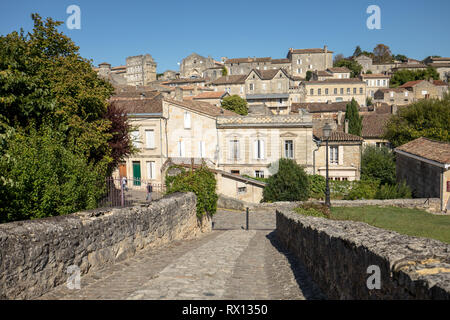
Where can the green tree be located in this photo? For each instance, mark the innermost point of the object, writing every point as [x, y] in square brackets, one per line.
[354, 119]
[368, 101]
[428, 118]
[402, 76]
[236, 104]
[357, 51]
[224, 71]
[308, 75]
[354, 66]
[382, 54]
[378, 163]
[400, 57]
[369, 72]
[290, 183]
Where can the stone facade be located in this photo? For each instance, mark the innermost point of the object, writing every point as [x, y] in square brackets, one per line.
[397, 96]
[36, 254]
[141, 70]
[195, 65]
[334, 90]
[303, 60]
[337, 254]
[365, 62]
[375, 82]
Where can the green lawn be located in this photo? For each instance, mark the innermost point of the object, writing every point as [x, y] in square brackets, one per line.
[407, 221]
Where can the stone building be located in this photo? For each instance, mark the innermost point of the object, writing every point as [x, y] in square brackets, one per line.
[303, 60]
[374, 82]
[424, 165]
[242, 66]
[334, 90]
[365, 62]
[422, 89]
[373, 126]
[169, 75]
[331, 73]
[115, 75]
[195, 65]
[397, 96]
[233, 84]
[442, 66]
[141, 70]
[213, 97]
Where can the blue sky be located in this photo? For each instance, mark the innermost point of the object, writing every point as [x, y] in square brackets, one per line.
[171, 30]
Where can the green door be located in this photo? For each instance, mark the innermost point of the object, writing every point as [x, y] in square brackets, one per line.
[136, 173]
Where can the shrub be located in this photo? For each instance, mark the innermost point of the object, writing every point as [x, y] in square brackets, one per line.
[396, 191]
[290, 183]
[363, 189]
[201, 182]
[317, 184]
[378, 163]
[314, 210]
[236, 104]
[340, 189]
[45, 178]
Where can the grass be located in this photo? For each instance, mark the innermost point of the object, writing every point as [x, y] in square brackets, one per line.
[412, 222]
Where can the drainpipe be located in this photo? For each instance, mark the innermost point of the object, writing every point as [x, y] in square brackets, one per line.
[314, 155]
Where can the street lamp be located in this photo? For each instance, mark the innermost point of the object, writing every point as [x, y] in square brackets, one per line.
[326, 134]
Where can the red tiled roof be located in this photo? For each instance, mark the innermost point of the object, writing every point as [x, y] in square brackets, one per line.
[337, 136]
[313, 50]
[233, 79]
[248, 60]
[375, 75]
[373, 125]
[137, 105]
[339, 69]
[429, 149]
[275, 61]
[336, 80]
[210, 95]
[203, 107]
[410, 84]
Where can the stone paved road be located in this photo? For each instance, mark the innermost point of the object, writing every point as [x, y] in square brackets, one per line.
[224, 264]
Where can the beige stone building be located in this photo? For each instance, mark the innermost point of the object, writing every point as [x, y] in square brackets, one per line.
[197, 66]
[373, 127]
[425, 166]
[213, 97]
[303, 60]
[442, 66]
[397, 96]
[233, 84]
[374, 82]
[331, 73]
[423, 89]
[141, 70]
[334, 90]
[365, 62]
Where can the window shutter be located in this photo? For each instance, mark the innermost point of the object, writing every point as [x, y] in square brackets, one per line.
[182, 149]
[261, 145]
[237, 148]
[341, 155]
[255, 149]
[150, 138]
[153, 169]
[149, 170]
[187, 120]
[201, 149]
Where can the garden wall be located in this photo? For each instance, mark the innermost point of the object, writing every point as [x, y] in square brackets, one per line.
[35, 254]
[337, 255]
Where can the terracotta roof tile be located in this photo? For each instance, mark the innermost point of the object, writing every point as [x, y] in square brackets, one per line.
[375, 75]
[339, 69]
[146, 105]
[203, 107]
[313, 50]
[337, 136]
[210, 95]
[232, 79]
[336, 80]
[373, 125]
[317, 107]
[429, 149]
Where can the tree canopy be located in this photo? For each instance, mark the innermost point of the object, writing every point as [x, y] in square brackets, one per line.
[428, 118]
[354, 119]
[402, 76]
[354, 66]
[236, 104]
[382, 54]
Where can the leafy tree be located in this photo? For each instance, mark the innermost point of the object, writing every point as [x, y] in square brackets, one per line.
[354, 119]
[354, 66]
[224, 71]
[425, 118]
[357, 51]
[369, 72]
[200, 181]
[236, 104]
[378, 163]
[400, 57]
[382, 54]
[338, 58]
[368, 101]
[290, 183]
[368, 54]
[308, 75]
[402, 76]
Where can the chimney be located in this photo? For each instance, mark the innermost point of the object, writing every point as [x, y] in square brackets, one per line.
[346, 126]
[178, 93]
[394, 109]
[339, 118]
[325, 48]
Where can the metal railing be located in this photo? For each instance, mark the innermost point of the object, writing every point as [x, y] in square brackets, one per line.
[120, 192]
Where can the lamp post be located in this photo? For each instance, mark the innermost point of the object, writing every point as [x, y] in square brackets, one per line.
[326, 134]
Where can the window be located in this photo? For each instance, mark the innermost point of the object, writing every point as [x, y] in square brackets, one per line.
[299, 70]
[334, 154]
[258, 151]
[151, 170]
[259, 174]
[201, 149]
[406, 93]
[234, 171]
[319, 91]
[264, 86]
[181, 150]
[335, 90]
[234, 149]
[299, 61]
[354, 90]
[378, 83]
[326, 91]
[135, 139]
[289, 149]
[242, 189]
[279, 85]
[338, 99]
[187, 120]
[311, 92]
[348, 90]
[384, 83]
[149, 139]
[392, 94]
[251, 87]
[242, 89]
[342, 90]
[360, 90]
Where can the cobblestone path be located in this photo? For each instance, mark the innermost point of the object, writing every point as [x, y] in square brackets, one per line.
[224, 264]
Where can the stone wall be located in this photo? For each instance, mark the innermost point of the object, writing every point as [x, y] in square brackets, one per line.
[337, 255]
[35, 254]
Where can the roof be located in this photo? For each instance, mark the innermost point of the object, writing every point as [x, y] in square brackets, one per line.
[184, 81]
[312, 50]
[203, 107]
[375, 75]
[439, 83]
[336, 80]
[248, 60]
[316, 107]
[323, 73]
[373, 125]
[386, 90]
[268, 74]
[138, 105]
[428, 149]
[339, 69]
[410, 66]
[210, 95]
[410, 84]
[232, 79]
[274, 61]
[337, 136]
